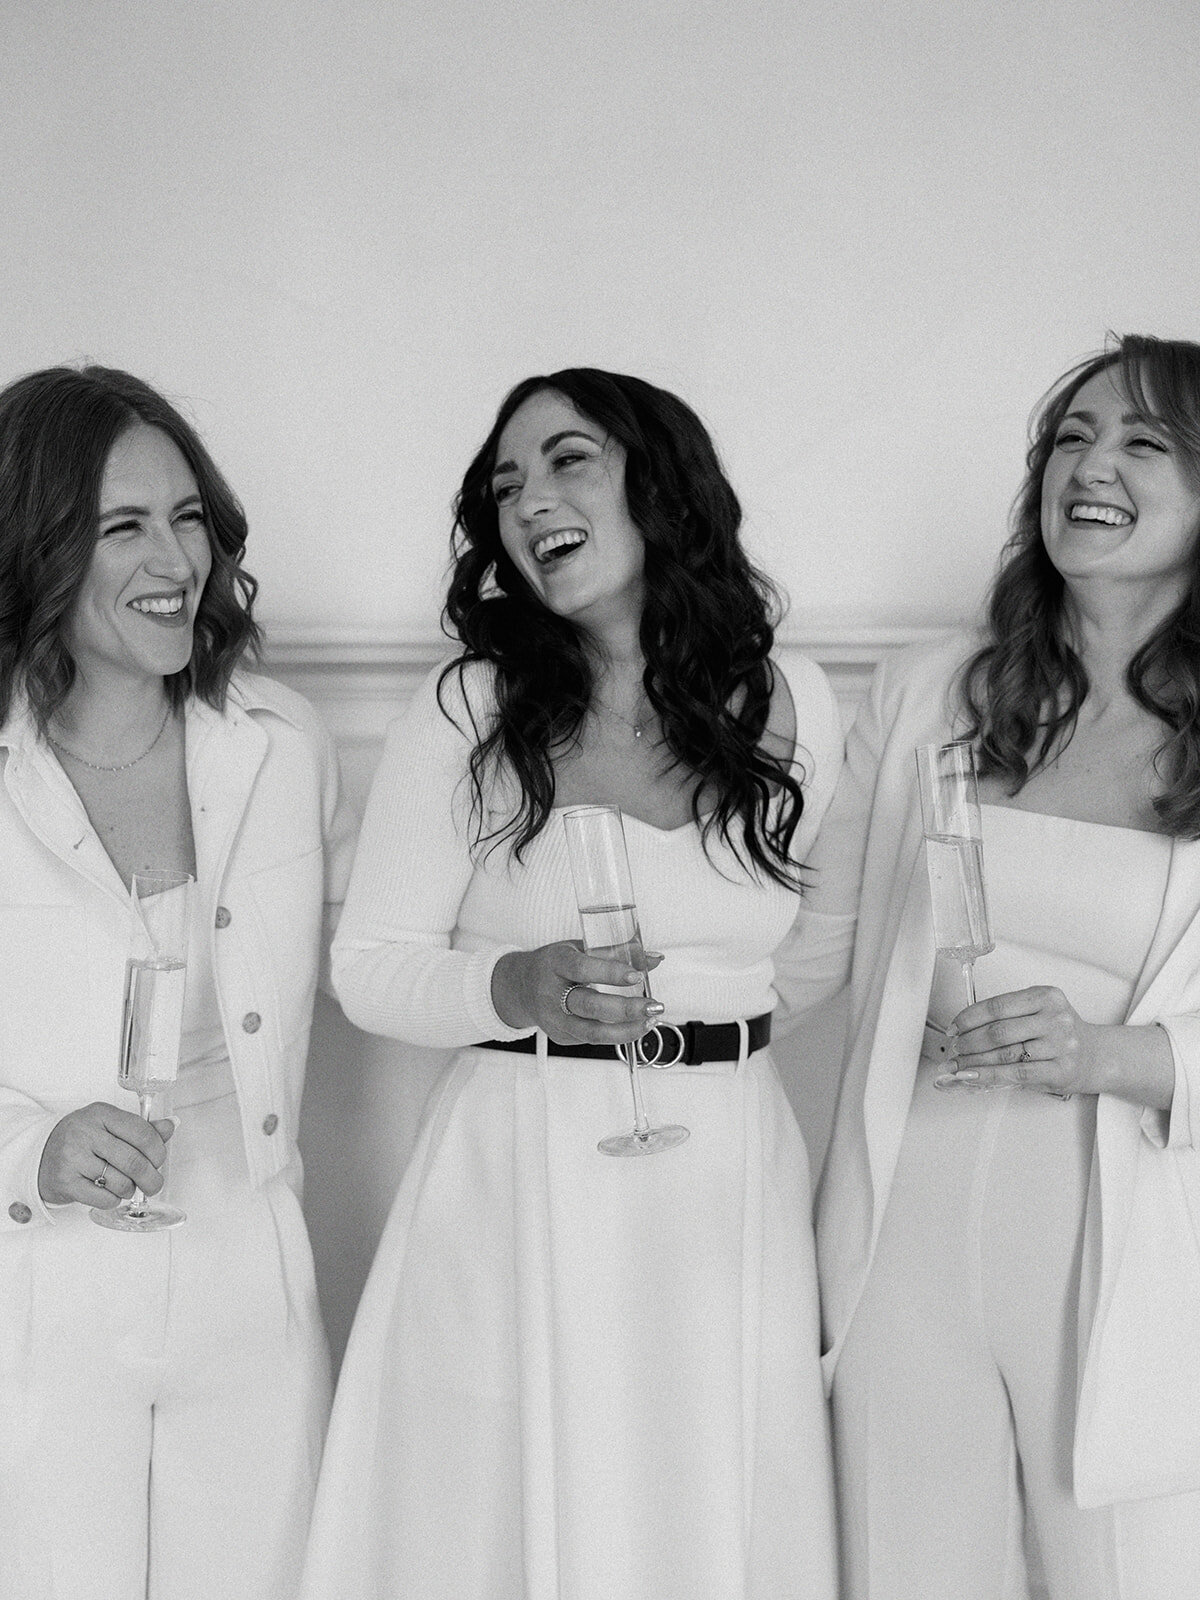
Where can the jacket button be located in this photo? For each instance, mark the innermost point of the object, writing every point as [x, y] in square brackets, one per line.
[19, 1211]
[251, 1022]
[270, 1122]
[222, 918]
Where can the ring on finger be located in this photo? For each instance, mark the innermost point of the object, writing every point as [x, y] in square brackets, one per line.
[565, 996]
[102, 1181]
[1024, 1056]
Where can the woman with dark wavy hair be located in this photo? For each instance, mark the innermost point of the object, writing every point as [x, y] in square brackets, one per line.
[1011, 1281]
[162, 1398]
[569, 1374]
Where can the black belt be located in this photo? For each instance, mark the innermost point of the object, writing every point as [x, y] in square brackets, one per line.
[667, 1044]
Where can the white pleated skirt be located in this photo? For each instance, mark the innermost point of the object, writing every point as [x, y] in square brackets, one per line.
[573, 1376]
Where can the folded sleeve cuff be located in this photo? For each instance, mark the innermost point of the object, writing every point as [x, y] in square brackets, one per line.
[21, 1204]
[478, 988]
[1179, 1128]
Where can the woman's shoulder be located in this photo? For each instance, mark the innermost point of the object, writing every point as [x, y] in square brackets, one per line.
[929, 666]
[461, 693]
[804, 707]
[254, 692]
[805, 718]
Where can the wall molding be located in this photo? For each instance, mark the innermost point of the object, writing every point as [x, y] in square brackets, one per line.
[360, 678]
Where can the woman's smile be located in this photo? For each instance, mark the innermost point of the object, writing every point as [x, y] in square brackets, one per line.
[559, 488]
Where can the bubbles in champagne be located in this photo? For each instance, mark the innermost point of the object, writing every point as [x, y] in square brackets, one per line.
[960, 917]
[153, 1025]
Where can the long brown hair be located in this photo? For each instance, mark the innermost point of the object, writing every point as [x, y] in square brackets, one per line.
[1023, 689]
[57, 428]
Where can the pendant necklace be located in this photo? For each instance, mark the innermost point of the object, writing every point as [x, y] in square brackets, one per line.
[639, 725]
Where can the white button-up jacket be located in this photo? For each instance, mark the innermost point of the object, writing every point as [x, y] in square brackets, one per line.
[273, 845]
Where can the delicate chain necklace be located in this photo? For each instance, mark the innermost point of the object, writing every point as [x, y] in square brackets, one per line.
[639, 725]
[94, 766]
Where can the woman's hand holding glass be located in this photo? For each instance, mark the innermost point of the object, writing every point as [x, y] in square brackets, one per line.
[554, 988]
[1035, 1039]
[102, 1141]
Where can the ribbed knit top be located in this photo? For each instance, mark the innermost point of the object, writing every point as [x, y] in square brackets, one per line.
[427, 917]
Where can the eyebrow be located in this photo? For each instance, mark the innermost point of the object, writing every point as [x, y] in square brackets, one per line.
[1131, 419]
[144, 511]
[547, 446]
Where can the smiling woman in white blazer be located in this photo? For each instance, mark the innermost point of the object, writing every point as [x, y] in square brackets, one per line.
[162, 1398]
[1011, 1281]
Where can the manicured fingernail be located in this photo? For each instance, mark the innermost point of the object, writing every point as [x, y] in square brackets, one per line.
[655, 1008]
[634, 977]
[967, 1077]
[653, 955]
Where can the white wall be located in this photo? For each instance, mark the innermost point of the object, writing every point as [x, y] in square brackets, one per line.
[861, 238]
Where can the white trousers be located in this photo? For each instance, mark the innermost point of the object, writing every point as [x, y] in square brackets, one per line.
[163, 1397]
[954, 1398]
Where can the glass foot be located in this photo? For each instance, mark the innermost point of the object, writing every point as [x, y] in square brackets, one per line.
[949, 1080]
[643, 1144]
[146, 1219]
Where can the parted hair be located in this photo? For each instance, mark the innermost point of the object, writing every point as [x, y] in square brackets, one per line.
[57, 428]
[707, 627]
[1023, 689]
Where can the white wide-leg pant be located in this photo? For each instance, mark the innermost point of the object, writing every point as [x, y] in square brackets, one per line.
[163, 1397]
[954, 1398]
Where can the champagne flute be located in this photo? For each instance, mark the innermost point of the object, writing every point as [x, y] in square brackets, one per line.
[608, 914]
[954, 858]
[152, 1024]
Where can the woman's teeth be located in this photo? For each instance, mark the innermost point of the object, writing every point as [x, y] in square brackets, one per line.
[159, 608]
[551, 545]
[1113, 516]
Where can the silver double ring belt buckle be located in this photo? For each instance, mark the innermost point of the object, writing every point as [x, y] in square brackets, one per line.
[661, 1042]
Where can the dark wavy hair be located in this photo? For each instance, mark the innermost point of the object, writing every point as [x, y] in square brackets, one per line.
[707, 627]
[57, 429]
[1022, 691]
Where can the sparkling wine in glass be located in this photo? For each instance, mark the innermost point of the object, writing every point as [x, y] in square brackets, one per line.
[954, 858]
[152, 1022]
[608, 916]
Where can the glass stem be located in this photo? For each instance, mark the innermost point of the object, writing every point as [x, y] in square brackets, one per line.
[641, 1123]
[137, 1200]
[969, 977]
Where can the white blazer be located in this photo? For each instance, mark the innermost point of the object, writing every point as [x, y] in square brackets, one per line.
[868, 917]
[272, 844]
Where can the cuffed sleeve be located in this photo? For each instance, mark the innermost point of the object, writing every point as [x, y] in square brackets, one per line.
[24, 1128]
[1179, 1129]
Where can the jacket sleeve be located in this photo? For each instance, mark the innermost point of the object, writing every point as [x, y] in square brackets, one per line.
[1179, 1128]
[339, 829]
[814, 961]
[25, 1125]
[394, 970]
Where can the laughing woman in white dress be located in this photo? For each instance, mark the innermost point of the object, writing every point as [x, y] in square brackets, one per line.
[572, 1375]
[1011, 1281]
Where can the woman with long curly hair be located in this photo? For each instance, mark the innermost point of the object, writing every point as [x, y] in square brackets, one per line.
[1011, 1281]
[572, 1375]
[162, 1398]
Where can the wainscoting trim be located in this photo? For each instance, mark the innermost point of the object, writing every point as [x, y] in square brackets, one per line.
[359, 680]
